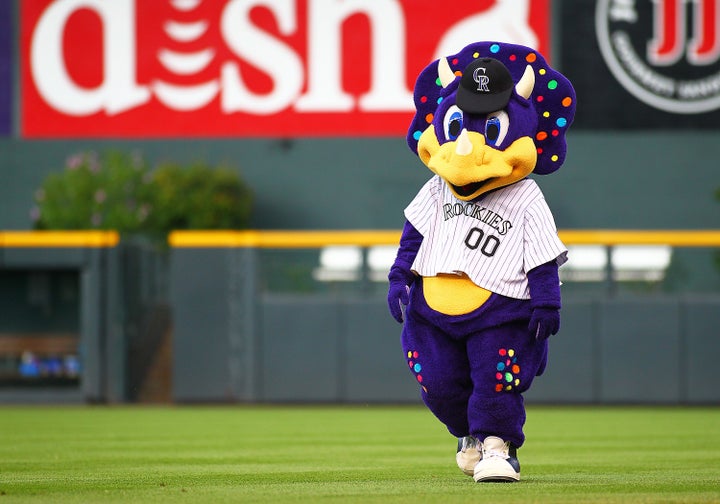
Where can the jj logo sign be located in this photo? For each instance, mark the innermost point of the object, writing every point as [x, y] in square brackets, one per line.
[664, 52]
[671, 38]
[244, 67]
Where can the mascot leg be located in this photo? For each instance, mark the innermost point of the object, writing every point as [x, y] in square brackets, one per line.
[504, 361]
[440, 366]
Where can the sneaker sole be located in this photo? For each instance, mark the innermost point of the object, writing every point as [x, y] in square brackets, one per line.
[497, 479]
[493, 470]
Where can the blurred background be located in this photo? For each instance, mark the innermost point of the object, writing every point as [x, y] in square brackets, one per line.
[277, 128]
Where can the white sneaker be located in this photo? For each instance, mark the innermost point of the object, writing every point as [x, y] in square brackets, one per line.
[498, 461]
[468, 454]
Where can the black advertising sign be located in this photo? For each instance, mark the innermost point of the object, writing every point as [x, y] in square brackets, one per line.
[643, 64]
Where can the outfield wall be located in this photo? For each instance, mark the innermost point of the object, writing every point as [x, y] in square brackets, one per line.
[237, 338]
[250, 319]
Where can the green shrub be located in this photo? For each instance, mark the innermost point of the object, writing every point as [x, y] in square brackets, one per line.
[119, 191]
[200, 197]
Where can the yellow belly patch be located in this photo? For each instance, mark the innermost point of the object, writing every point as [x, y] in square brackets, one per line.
[453, 294]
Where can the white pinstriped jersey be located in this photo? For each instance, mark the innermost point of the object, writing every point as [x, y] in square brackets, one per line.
[495, 241]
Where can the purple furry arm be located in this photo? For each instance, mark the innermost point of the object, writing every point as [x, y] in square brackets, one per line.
[410, 241]
[544, 286]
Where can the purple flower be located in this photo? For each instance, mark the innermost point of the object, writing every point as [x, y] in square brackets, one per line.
[74, 162]
[100, 195]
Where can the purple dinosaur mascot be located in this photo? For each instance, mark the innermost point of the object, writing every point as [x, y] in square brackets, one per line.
[475, 282]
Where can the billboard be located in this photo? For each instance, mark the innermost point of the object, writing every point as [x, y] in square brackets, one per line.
[218, 68]
[643, 64]
[6, 67]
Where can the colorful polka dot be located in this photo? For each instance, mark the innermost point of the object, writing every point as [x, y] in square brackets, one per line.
[555, 133]
[414, 365]
[567, 101]
[555, 157]
[552, 84]
[507, 371]
[423, 99]
[512, 57]
[561, 122]
[542, 71]
[542, 135]
[540, 98]
[476, 55]
[417, 134]
[429, 118]
[546, 114]
[495, 48]
[455, 61]
[439, 100]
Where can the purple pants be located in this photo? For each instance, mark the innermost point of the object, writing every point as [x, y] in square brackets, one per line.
[473, 368]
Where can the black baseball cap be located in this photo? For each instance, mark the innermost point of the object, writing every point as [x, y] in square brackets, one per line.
[485, 86]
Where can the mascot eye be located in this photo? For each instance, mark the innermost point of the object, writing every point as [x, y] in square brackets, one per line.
[453, 123]
[496, 127]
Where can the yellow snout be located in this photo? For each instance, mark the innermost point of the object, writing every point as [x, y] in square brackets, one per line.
[471, 167]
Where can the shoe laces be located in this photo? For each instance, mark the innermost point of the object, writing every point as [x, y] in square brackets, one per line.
[502, 453]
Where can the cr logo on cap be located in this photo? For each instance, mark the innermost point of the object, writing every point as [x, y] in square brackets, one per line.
[482, 80]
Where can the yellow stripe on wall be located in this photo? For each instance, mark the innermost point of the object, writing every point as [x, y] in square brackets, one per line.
[366, 238]
[363, 238]
[281, 239]
[59, 239]
[675, 238]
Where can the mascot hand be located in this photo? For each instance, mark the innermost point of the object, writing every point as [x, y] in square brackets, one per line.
[399, 292]
[398, 298]
[544, 322]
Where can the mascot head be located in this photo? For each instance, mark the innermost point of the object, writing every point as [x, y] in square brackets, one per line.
[489, 116]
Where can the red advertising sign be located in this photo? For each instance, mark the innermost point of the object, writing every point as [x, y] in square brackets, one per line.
[221, 68]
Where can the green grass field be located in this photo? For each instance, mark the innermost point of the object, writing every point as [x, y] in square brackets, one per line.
[348, 454]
